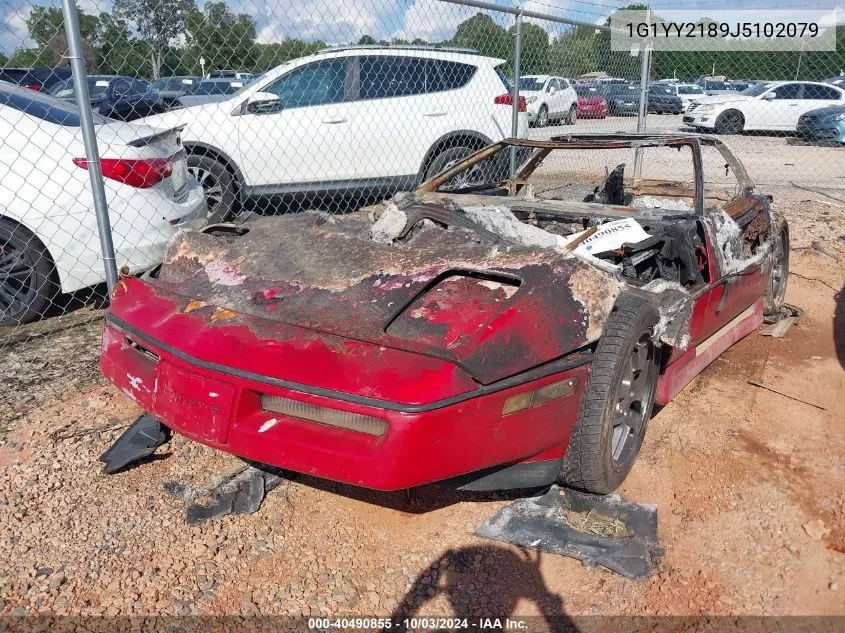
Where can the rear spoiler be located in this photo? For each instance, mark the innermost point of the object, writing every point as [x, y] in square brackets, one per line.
[158, 136]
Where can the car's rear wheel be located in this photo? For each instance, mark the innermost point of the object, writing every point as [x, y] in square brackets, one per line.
[27, 277]
[776, 289]
[543, 117]
[217, 184]
[572, 116]
[729, 122]
[617, 402]
[446, 159]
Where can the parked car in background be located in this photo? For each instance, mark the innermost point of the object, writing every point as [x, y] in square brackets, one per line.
[171, 88]
[739, 84]
[48, 230]
[774, 105]
[714, 86]
[41, 78]
[836, 81]
[229, 74]
[308, 129]
[548, 99]
[591, 103]
[688, 93]
[662, 99]
[826, 125]
[115, 97]
[605, 81]
[209, 91]
[622, 99]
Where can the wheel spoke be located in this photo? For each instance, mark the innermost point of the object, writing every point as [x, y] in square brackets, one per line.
[18, 271]
[8, 297]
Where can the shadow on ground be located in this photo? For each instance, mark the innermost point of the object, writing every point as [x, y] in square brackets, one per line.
[487, 581]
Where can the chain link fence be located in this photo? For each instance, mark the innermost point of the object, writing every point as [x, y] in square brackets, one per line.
[207, 111]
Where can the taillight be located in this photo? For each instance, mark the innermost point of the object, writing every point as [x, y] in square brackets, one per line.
[36, 87]
[142, 173]
[507, 99]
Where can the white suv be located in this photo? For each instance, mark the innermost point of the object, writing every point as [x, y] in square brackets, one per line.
[549, 99]
[346, 120]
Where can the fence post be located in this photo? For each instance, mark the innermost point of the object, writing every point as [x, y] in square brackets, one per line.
[89, 138]
[645, 73]
[517, 54]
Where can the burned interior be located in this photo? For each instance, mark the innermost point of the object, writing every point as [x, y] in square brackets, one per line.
[594, 188]
[572, 201]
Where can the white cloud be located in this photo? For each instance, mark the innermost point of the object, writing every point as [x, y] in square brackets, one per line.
[13, 33]
[327, 20]
[432, 20]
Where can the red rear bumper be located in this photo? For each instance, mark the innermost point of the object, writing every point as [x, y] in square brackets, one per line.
[220, 405]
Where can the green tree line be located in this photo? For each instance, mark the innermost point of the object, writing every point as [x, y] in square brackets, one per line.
[152, 38]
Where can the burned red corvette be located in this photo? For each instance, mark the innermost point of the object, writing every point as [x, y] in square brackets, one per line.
[487, 331]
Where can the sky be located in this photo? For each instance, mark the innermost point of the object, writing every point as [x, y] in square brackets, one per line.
[344, 21]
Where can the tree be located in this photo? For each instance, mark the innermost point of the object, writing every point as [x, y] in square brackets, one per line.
[46, 26]
[271, 55]
[534, 56]
[572, 53]
[481, 33]
[226, 39]
[117, 52]
[4, 61]
[366, 40]
[157, 23]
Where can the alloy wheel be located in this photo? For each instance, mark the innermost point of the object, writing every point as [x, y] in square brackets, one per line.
[211, 187]
[634, 396]
[18, 280]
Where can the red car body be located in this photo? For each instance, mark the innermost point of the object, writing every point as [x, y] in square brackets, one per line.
[389, 368]
[592, 107]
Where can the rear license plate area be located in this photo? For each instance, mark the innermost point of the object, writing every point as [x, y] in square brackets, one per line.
[199, 407]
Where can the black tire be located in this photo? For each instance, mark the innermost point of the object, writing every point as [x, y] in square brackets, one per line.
[542, 116]
[572, 116]
[446, 159]
[775, 294]
[729, 122]
[602, 448]
[27, 275]
[217, 183]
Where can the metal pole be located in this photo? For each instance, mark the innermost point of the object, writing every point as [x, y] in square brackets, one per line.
[89, 138]
[517, 53]
[490, 6]
[645, 73]
[643, 111]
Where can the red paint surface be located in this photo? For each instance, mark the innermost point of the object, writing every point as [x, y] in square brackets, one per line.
[417, 448]
[679, 374]
[592, 107]
[224, 411]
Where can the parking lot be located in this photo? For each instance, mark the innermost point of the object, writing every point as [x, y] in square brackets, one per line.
[748, 480]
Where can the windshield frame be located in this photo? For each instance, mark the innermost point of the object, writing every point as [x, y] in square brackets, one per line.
[542, 148]
[535, 81]
[756, 90]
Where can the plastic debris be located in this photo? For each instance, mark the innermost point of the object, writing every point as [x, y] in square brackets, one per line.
[596, 529]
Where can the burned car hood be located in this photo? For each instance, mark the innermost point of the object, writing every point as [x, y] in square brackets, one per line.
[493, 308]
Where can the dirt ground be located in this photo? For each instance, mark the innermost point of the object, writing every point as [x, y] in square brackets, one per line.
[749, 485]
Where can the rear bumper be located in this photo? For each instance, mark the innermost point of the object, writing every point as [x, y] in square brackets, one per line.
[421, 444]
[592, 111]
